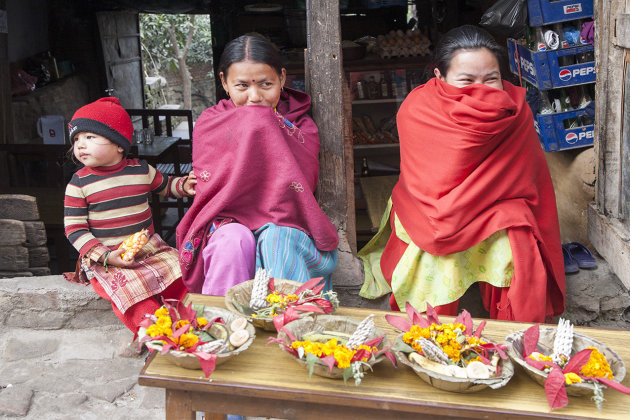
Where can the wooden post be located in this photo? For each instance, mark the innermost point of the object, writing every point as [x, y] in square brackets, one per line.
[335, 190]
[6, 127]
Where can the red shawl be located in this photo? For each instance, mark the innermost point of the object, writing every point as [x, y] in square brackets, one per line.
[255, 165]
[471, 165]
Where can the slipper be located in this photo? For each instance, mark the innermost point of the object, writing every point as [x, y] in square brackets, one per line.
[570, 265]
[581, 254]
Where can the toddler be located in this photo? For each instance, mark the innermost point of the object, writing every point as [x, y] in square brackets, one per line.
[106, 201]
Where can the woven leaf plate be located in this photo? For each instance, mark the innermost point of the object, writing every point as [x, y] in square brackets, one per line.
[545, 346]
[339, 324]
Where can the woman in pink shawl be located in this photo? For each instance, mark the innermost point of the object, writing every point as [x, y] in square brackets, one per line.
[255, 156]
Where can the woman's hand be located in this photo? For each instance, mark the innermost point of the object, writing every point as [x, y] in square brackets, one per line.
[189, 184]
[115, 260]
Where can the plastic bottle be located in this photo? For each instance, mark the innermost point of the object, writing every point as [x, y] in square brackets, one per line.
[540, 44]
[372, 88]
[384, 88]
[545, 105]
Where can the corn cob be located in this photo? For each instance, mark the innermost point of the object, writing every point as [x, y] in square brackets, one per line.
[258, 298]
[133, 244]
[563, 342]
[363, 332]
[432, 351]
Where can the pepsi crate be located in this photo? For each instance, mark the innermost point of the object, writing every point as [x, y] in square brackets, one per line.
[376, 4]
[545, 12]
[542, 68]
[554, 136]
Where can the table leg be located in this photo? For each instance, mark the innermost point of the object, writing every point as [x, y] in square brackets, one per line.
[214, 416]
[179, 405]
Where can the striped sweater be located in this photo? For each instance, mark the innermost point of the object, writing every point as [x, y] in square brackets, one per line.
[105, 205]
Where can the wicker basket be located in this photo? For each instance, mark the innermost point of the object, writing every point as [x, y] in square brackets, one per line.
[335, 323]
[237, 301]
[190, 361]
[454, 384]
[545, 346]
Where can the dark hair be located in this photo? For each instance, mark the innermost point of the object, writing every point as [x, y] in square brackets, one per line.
[253, 48]
[466, 37]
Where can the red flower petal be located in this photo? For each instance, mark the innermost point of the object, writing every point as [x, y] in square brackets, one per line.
[207, 362]
[479, 329]
[465, 319]
[610, 383]
[555, 390]
[577, 361]
[398, 322]
[433, 316]
[312, 285]
[530, 340]
[330, 361]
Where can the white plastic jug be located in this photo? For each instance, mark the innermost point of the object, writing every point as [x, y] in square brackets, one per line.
[52, 129]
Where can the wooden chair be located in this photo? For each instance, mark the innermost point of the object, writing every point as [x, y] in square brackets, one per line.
[153, 118]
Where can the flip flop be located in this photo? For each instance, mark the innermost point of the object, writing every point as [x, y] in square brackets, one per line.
[582, 255]
[570, 265]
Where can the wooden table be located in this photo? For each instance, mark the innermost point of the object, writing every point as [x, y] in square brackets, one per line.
[162, 148]
[265, 381]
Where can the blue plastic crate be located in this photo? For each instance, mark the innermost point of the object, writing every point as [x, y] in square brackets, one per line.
[376, 4]
[542, 68]
[544, 12]
[554, 137]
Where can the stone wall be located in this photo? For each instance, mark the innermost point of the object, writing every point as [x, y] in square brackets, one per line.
[203, 88]
[573, 175]
[23, 250]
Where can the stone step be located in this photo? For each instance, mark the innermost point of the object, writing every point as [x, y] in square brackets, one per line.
[51, 303]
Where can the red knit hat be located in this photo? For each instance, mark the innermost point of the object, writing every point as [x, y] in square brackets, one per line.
[105, 117]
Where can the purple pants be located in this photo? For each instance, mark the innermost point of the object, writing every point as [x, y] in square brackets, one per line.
[229, 258]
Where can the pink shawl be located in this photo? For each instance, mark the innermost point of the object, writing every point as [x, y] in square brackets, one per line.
[255, 165]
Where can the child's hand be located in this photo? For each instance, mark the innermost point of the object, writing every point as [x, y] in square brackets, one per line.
[189, 184]
[116, 260]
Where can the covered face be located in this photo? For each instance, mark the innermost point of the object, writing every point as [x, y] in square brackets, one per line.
[473, 66]
[252, 83]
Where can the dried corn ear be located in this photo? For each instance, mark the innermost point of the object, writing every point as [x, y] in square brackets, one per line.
[133, 244]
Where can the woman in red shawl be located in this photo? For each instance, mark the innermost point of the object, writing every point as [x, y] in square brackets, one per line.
[255, 157]
[474, 202]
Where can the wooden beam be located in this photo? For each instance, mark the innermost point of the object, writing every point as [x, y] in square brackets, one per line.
[325, 81]
[6, 115]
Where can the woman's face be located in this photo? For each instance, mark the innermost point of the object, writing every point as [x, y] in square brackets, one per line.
[473, 66]
[250, 83]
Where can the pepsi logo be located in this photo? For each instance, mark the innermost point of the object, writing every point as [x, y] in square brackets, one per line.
[571, 138]
[564, 75]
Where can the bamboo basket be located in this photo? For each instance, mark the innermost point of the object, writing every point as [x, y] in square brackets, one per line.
[545, 346]
[454, 384]
[342, 324]
[237, 301]
[190, 361]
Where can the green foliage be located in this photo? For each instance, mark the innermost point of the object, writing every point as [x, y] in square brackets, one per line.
[158, 52]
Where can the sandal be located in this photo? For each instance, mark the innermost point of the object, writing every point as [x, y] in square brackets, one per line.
[570, 265]
[582, 255]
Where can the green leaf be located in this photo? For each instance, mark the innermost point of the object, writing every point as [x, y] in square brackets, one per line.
[400, 345]
[245, 310]
[311, 359]
[199, 309]
[204, 336]
[347, 374]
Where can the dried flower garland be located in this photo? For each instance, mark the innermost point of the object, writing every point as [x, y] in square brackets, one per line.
[453, 349]
[564, 369]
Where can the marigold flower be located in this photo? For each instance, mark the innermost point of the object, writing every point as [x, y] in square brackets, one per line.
[202, 322]
[181, 323]
[164, 321]
[597, 366]
[161, 312]
[187, 340]
[572, 378]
